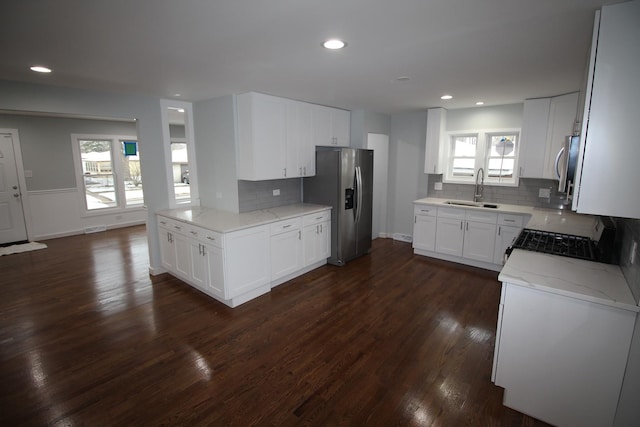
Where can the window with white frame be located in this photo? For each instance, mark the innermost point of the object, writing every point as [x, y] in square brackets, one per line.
[496, 151]
[108, 171]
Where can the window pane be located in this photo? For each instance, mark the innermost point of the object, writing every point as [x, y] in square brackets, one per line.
[464, 146]
[181, 179]
[501, 168]
[463, 167]
[503, 146]
[132, 177]
[97, 169]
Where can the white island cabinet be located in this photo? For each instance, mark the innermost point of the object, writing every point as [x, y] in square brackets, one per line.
[252, 253]
[563, 338]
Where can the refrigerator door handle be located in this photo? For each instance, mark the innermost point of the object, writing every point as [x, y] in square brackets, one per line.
[358, 193]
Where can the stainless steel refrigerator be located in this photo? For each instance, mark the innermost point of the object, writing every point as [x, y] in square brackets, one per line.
[344, 181]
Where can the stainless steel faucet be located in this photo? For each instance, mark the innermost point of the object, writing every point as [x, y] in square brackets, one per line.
[477, 195]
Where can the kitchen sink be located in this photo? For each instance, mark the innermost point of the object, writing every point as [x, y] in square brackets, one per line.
[471, 204]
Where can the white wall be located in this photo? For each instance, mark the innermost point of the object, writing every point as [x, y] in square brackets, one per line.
[214, 138]
[75, 102]
[407, 181]
[366, 122]
[496, 117]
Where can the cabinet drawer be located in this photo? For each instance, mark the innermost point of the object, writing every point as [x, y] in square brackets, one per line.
[316, 218]
[481, 216]
[511, 220]
[451, 213]
[286, 225]
[425, 210]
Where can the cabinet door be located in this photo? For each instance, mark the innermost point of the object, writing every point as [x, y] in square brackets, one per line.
[324, 241]
[183, 256]
[436, 126]
[167, 249]
[261, 137]
[479, 241]
[341, 127]
[562, 117]
[199, 265]
[310, 238]
[301, 155]
[611, 150]
[247, 260]
[535, 121]
[449, 236]
[322, 134]
[504, 237]
[424, 232]
[215, 271]
[286, 253]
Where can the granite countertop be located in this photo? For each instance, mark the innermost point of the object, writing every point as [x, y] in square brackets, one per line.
[553, 220]
[225, 221]
[585, 280]
[575, 278]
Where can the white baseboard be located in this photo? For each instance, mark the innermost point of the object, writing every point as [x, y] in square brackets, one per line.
[403, 237]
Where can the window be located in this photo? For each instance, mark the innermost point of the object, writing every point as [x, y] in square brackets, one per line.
[180, 169]
[109, 177]
[494, 151]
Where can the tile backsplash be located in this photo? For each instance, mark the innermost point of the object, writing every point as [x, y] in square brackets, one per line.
[525, 194]
[254, 195]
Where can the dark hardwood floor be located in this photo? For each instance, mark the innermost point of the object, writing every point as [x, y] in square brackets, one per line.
[87, 337]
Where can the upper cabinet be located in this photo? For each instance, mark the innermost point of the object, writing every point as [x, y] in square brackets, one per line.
[545, 124]
[331, 126]
[609, 146]
[436, 128]
[277, 136]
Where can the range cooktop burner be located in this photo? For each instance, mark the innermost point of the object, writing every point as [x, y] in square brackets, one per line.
[556, 244]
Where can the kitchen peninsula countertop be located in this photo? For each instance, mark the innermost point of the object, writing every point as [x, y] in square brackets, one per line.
[575, 278]
[225, 221]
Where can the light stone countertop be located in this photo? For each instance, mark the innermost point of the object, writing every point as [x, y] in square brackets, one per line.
[585, 280]
[225, 221]
[575, 278]
[557, 221]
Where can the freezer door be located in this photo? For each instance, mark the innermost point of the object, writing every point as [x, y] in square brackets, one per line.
[364, 191]
[347, 207]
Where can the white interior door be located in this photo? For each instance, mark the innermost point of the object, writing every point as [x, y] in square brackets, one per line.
[12, 224]
[379, 143]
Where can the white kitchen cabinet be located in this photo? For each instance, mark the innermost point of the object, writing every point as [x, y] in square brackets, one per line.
[535, 121]
[479, 241]
[450, 231]
[316, 237]
[561, 359]
[331, 126]
[247, 265]
[261, 139]
[509, 228]
[424, 227]
[167, 247]
[286, 248]
[300, 150]
[436, 140]
[609, 146]
[545, 124]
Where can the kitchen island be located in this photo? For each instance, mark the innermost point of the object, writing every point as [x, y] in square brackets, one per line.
[235, 257]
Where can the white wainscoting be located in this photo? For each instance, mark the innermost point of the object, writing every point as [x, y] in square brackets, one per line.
[58, 213]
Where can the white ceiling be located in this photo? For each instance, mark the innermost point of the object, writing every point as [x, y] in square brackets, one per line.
[498, 51]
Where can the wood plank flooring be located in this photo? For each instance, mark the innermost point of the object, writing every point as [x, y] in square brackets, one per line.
[87, 337]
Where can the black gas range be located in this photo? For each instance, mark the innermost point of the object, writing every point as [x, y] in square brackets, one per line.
[599, 249]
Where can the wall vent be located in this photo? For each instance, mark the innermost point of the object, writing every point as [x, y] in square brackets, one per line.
[95, 229]
[403, 237]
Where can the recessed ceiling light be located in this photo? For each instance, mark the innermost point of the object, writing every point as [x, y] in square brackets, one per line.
[480, 103]
[446, 97]
[334, 44]
[40, 69]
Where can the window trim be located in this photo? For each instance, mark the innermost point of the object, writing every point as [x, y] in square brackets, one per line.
[191, 152]
[482, 156]
[117, 170]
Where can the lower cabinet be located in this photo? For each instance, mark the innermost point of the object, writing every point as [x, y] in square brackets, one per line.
[561, 359]
[469, 236]
[238, 266]
[316, 237]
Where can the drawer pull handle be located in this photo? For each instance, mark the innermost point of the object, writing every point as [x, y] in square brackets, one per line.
[211, 238]
[163, 222]
[286, 226]
[195, 233]
[177, 227]
[509, 220]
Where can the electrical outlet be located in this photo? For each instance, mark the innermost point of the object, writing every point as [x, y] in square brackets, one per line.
[544, 193]
[276, 192]
[632, 254]
[437, 186]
